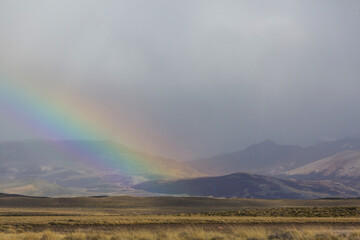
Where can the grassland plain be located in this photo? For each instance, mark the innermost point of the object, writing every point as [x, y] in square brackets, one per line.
[192, 233]
[177, 218]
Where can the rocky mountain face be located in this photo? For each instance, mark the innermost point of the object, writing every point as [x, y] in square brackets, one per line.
[343, 165]
[244, 185]
[270, 158]
[43, 168]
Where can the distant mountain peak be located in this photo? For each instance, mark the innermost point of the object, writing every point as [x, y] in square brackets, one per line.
[267, 144]
[257, 158]
[271, 158]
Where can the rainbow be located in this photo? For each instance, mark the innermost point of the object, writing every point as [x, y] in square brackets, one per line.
[64, 117]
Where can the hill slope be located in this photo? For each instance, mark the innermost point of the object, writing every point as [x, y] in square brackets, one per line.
[43, 167]
[245, 185]
[342, 165]
[270, 158]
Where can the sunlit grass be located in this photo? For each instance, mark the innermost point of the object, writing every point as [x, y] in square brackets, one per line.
[28, 219]
[192, 233]
[114, 223]
[99, 220]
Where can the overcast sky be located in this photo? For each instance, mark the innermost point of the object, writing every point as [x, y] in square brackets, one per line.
[207, 77]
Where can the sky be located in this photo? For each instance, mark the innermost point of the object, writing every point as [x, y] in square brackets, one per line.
[191, 79]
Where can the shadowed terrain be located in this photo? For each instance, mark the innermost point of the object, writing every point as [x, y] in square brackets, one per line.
[245, 185]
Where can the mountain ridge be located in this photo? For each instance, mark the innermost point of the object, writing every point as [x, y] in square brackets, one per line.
[345, 164]
[270, 158]
[245, 185]
[35, 167]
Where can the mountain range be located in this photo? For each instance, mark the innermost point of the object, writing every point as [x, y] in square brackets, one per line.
[327, 169]
[43, 168]
[263, 170]
[270, 158]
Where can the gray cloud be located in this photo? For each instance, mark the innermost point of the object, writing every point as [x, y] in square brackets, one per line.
[208, 76]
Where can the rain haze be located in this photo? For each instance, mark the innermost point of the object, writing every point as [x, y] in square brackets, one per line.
[199, 78]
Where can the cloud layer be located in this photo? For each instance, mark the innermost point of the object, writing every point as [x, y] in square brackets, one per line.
[206, 76]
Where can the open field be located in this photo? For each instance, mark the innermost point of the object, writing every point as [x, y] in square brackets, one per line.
[193, 233]
[172, 204]
[177, 218]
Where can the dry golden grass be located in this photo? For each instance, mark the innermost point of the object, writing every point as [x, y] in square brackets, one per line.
[193, 233]
[179, 218]
[69, 219]
[103, 220]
